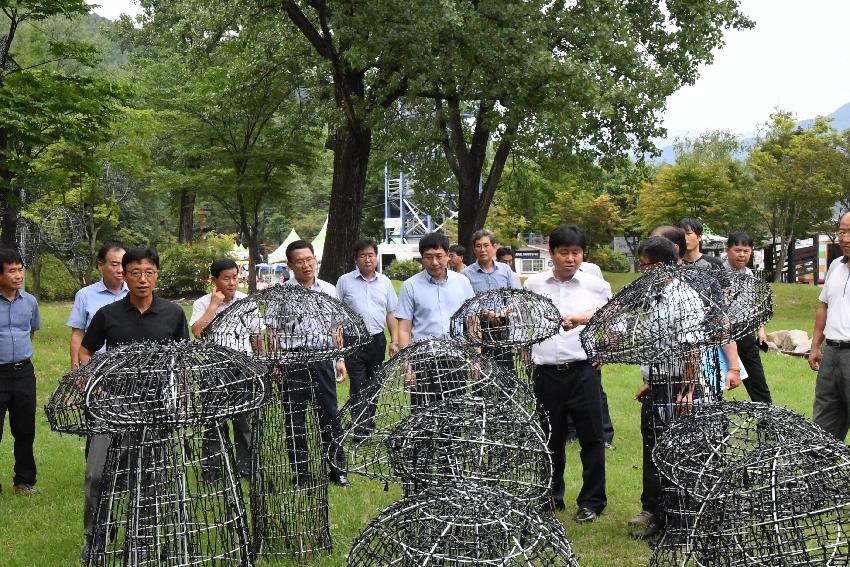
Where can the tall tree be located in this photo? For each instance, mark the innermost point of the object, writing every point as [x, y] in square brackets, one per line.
[798, 179]
[549, 78]
[235, 99]
[42, 105]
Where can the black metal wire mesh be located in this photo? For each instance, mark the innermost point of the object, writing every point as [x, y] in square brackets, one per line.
[289, 486]
[291, 324]
[425, 373]
[697, 451]
[783, 504]
[506, 318]
[462, 524]
[156, 384]
[472, 439]
[664, 315]
[27, 239]
[171, 497]
[61, 230]
[748, 301]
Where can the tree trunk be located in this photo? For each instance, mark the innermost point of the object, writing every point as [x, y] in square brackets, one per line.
[10, 215]
[253, 258]
[35, 271]
[187, 216]
[351, 160]
[784, 244]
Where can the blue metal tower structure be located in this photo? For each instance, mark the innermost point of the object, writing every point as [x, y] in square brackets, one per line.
[404, 219]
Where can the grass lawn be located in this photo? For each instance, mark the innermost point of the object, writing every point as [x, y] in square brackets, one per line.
[46, 529]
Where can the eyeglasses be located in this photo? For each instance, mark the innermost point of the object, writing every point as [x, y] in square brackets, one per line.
[137, 274]
[302, 263]
[434, 257]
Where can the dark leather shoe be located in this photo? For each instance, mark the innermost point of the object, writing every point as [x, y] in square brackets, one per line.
[559, 504]
[341, 481]
[649, 532]
[585, 515]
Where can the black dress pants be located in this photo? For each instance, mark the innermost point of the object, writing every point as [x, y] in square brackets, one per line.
[361, 366]
[574, 390]
[17, 398]
[756, 383]
[651, 498]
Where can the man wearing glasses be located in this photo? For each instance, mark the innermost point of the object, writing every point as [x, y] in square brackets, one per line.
[141, 315]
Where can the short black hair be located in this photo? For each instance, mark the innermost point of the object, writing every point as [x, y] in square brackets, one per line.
[458, 249]
[365, 243]
[222, 264]
[738, 238]
[9, 256]
[504, 251]
[658, 249]
[672, 233]
[106, 249]
[691, 223]
[567, 235]
[432, 241]
[298, 245]
[479, 234]
[139, 254]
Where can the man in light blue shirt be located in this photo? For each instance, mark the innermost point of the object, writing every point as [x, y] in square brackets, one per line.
[89, 299]
[429, 299]
[372, 295]
[19, 320]
[486, 274]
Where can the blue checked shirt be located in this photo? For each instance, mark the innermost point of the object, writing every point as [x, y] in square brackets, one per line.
[18, 318]
[87, 302]
[500, 276]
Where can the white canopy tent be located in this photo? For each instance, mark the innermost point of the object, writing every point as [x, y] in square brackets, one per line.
[279, 255]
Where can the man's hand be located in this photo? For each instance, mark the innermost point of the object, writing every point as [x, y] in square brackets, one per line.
[394, 348]
[217, 298]
[733, 378]
[814, 359]
[641, 391]
[570, 322]
[341, 371]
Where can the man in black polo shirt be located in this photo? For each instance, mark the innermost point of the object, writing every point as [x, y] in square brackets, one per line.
[140, 316]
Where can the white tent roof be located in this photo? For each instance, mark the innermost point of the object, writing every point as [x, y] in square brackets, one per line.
[279, 255]
[319, 242]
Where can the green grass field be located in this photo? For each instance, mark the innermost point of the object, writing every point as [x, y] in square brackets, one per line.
[46, 529]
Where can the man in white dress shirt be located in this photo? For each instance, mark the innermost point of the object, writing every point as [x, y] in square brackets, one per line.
[565, 383]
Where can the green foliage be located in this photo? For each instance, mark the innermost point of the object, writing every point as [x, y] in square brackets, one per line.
[57, 283]
[609, 259]
[402, 269]
[185, 268]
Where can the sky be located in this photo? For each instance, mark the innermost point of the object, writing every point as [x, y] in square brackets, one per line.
[795, 59]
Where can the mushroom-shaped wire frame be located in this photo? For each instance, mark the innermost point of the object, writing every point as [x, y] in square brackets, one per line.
[290, 324]
[420, 375]
[61, 229]
[156, 384]
[748, 301]
[506, 318]
[27, 240]
[472, 439]
[664, 315]
[462, 524]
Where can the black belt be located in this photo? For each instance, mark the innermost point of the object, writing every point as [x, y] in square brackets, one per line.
[838, 344]
[15, 365]
[564, 366]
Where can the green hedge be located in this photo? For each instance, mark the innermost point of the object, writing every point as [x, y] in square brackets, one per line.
[184, 269]
[609, 259]
[403, 269]
[57, 283]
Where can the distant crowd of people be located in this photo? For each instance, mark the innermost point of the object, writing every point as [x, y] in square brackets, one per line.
[124, 307]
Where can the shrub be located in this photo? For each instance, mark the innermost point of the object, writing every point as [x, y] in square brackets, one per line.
[184, 269]
[57, 283]
[403, 269]
[609, 260]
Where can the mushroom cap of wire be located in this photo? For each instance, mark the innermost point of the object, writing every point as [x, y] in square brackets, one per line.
[748, 301]
[506, 318]
[418, 376]
[667, 314]
[156, 385]
[292, 324]
[472, 439]
[462, 524]
[697, 448]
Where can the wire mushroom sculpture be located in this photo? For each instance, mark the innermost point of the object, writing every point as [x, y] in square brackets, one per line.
[298, 333]
[169, 497]
[61, 230]
[423, 374]
[461, 525]
[471, 439]
[502, 321]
